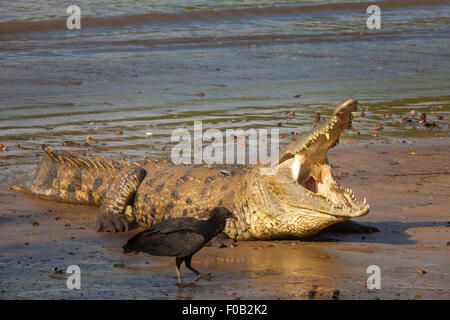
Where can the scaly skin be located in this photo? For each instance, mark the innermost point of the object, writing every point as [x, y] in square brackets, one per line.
[300, 200]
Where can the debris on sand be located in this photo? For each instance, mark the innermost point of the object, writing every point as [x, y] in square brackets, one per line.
[422, 118]
[336, 293]
[312, 293]
[58, 270]
[3, 148]
[406, 119]
[421, 271]
[119, 132]
[378, 128]
[200, 94]
[90, 139]
[317, 117]
[35, 224]
[69, 143]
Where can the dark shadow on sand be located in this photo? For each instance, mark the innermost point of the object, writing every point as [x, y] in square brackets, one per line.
[391, 232]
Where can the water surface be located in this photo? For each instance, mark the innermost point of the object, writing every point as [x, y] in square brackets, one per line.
[136, 66]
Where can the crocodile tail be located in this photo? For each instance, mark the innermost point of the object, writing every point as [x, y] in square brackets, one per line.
[68, 177]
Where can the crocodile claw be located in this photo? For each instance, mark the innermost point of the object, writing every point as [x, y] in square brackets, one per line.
[109, 222]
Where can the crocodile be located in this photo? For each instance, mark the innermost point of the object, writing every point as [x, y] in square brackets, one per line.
[299, 200]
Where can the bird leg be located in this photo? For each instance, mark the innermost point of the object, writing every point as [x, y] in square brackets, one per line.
[187, 262]
[178, 263]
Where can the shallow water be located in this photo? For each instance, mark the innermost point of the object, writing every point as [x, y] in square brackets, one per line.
[136, 66]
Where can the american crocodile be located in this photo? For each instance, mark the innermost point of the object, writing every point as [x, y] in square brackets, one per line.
[301, 199]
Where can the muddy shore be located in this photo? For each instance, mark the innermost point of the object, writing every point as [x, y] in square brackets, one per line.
[407, 185]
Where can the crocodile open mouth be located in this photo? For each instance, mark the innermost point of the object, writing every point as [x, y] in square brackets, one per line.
[311, 172]
[317, 179]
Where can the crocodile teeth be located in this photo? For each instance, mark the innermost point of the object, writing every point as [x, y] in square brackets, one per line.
[365, 201]
[327, 135]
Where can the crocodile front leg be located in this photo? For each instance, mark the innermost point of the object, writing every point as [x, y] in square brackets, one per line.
[111, 217]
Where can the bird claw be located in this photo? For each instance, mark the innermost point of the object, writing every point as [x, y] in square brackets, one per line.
[204, 276]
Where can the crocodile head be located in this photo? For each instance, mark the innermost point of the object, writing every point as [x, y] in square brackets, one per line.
[304, 196]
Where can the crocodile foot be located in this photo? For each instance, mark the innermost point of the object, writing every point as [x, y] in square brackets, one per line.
[351, 227]
[109, 222]
[221, 241]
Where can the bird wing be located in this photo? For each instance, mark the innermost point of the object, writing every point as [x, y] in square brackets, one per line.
[179, 243]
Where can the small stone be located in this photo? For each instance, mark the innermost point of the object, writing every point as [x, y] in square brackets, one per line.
[67, 225]
[119, 132]
[378, 128]
[421, 271]
[200, 94]
[297, 96]
[35, 224]
[118, 265]
[3, 148]
[413, 113]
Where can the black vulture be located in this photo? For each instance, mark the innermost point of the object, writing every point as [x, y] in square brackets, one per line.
[180, 238]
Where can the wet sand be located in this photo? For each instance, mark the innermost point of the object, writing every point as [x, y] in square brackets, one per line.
[407, 185]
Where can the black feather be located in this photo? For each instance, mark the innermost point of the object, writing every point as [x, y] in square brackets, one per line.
[179, 237]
